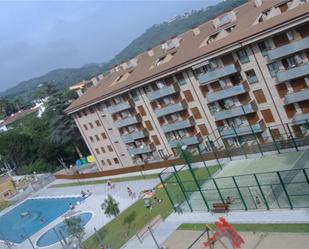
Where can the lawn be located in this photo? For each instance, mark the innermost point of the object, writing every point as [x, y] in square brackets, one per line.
[280, 228]
[4, 205]
[117, 232]
[124, 179]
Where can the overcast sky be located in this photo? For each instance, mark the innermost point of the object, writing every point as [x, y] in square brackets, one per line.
[39, 36]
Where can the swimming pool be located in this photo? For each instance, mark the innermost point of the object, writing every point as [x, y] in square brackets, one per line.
[60, 231]
[31, 216]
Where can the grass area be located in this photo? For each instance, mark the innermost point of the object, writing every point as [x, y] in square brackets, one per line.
[4, 205]
[280, 228]
[117, 232]
[124, 179]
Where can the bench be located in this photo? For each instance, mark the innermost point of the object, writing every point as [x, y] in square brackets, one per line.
[220, 207]
[151, 225]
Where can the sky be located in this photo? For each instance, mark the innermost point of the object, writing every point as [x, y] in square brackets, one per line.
[39, 36]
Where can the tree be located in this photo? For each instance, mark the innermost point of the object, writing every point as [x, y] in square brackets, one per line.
[76, 229]
[44, 89]
[110, 207]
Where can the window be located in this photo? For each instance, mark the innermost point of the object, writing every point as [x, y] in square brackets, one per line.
[85, 112]
[110, 148]
[97, 151]
[98, 123]
[141, 110]
[109, 162]
[148, 125]
[212, 108]
[268, 116]
[91, 139]
[181, 80]
[85, 127]
[156, 140]
[259, 96]
[289, 62]
[103, 162]
[103, 135]
[290, 35]
[196, 113]
[97, 137]
[134, 95]
[264, 47]
[251, 77]
[273, 69]
[188, 95]
[160, 84]
[242, 56]
[91, 125]
[103, 150]
[79, 114]
[203, 129]
[91, 109]
[147, 89]
[116, 161]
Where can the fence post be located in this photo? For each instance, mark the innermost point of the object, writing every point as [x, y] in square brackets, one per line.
[218, 190]
[200, 153]
[168, 195]
[242, 148]
[194, 178]
[284, 189]
[181, 187]
[228, 152]
[306, 176]
[260, 188]
[291, 135]
[275, 143]
[238, 190]
[216, 156]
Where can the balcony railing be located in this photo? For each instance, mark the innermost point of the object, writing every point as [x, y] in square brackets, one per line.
[236, 111]
[172, 108]
[186, 141]
[293, 73]
[129, 138]
[179, 125]
[228, 92]
[163, 92]
[288, 49]
[217, 74]
[121, 106]
[141, 150]
[227, 132]
[301, 118]
[128, 121]
[297, 96]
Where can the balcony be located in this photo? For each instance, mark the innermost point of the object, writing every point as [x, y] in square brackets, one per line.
[171, 108]
[128, 121]
[236, 111]
[217, 73]
[294, 97]
[228, 132]
[141, 150]
[228, 92]
[301, 118]
[163, 92]
[129, 138]
[288, 49]
[179, 125]
[293, 73]
[186, 141]
[121, 106]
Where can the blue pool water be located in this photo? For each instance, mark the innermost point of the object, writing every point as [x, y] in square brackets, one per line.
[37, 214]
[60, 231]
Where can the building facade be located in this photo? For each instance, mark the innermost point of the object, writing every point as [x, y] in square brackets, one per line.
[233, 76]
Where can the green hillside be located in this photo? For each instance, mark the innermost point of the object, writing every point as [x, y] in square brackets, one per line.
[151, 37]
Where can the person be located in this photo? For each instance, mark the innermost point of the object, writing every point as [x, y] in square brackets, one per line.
[130, 192]
[109, 183]
[229, 200]
[147, 204]
[83, 194]
[257, 200]
[157, 200]
[42, 220]
[71, 206]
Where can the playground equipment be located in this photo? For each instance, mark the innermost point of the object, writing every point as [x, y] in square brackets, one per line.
[84, 160]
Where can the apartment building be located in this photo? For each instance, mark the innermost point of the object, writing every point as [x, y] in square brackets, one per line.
[236, 75]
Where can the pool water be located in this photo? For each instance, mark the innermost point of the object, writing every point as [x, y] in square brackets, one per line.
[31, 216]
[60, 231]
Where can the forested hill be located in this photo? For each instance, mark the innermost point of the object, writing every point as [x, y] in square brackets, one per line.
[151, 37]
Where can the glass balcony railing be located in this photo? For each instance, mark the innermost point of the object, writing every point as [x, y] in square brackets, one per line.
[236, 111]
[217, 74]
[227, 132]
[227, 92]
[186, 141]
[172, 108]
[163, 92]
[302, 95]
[301, 118]
[288, 49]
[141, 150]
[293, 73]
[128, 121]
[121, 106]
[179, 125]
[129, 138]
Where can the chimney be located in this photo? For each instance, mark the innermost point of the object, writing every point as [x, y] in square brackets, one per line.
[150, 52]
[258, 3]
[196, 30]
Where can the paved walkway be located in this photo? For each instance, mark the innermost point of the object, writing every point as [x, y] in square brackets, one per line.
[169, 226]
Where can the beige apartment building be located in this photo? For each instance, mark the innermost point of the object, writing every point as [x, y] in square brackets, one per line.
[244, 71]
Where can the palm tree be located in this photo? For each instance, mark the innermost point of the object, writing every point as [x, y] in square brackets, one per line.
[76, 229]
[110, 207]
